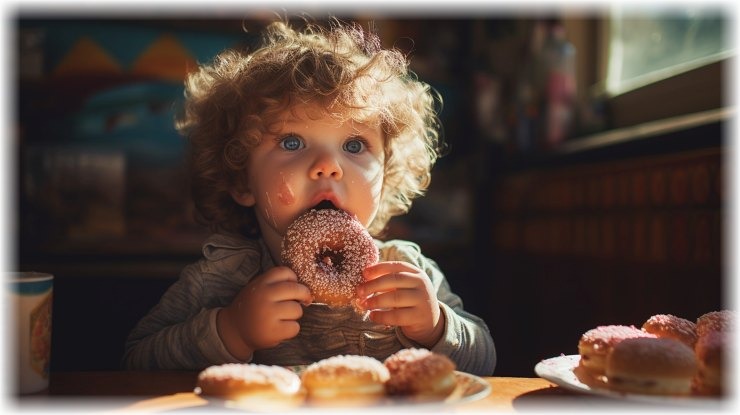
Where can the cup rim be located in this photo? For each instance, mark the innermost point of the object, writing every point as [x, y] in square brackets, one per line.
[28, 276]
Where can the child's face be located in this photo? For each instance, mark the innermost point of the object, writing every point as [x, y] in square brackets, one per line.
[310, 159]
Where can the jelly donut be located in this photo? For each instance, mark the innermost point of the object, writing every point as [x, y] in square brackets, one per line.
[328, 249]
[596, 344]
[345, 380]
[672, 327]
[420, 374]
[252, 385]
[651, 366]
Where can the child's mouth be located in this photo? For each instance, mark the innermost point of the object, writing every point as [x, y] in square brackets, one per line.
[325, 204]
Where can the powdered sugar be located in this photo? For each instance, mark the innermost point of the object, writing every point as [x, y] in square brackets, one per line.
[608, 336]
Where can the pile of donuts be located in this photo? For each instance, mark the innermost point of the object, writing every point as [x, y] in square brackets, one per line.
[414, 374]
[669, 355]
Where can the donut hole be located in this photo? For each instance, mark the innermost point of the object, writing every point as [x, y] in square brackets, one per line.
[330, 260]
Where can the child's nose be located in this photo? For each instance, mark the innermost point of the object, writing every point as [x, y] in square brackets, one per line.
[326, 166]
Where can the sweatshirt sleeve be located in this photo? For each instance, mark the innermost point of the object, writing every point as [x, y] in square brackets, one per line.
[466, 339]
[179, 332]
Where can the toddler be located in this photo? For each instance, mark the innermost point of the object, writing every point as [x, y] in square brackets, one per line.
[312, 116]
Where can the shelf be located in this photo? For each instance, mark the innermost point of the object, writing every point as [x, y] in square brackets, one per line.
[87, 268]
[673, 135]
[644, 131]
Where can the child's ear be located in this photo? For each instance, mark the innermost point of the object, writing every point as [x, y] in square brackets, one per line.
[245, 198]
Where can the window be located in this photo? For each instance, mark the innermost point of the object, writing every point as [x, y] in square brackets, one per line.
[657, 62]
[653, 43]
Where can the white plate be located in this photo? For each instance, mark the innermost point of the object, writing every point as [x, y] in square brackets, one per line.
[563, 371]
[469, 388]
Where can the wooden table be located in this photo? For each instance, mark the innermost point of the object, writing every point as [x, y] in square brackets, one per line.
[160, 391]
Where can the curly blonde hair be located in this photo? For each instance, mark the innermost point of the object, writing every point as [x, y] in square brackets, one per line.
[233, 101]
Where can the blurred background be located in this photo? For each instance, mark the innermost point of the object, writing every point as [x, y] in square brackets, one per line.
[585, 182]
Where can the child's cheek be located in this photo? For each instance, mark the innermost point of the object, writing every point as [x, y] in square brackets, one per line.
[375, 183]
[268, 210]
[285, 193]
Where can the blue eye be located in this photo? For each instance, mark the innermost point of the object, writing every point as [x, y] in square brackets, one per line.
[291, 143]
[354, 145]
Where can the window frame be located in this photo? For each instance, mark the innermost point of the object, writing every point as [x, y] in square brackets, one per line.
[698, 89]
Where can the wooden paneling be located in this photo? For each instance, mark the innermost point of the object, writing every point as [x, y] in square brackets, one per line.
[615, 242]
[658, 210]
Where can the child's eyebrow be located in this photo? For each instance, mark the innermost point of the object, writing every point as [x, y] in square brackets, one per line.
[363, 126]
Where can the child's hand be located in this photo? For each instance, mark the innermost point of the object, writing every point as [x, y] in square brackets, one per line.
[264, 313]
[404, 297]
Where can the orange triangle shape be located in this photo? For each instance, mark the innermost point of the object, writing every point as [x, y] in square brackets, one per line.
[166, 58]
[85, 58]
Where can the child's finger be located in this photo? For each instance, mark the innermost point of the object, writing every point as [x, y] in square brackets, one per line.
[392, 299]
[387, 282]
[383, 268]
[288, 311]
[279, 274]
[290, 290]
[393, 317]
[288, 329]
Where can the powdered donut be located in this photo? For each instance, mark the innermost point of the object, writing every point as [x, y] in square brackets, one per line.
[345, 380]
[420, 374]
[722, 320]
[652, 366]
[252, 385]
[328, 249]
[596, 344]
[672, 327]
[711, 350]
